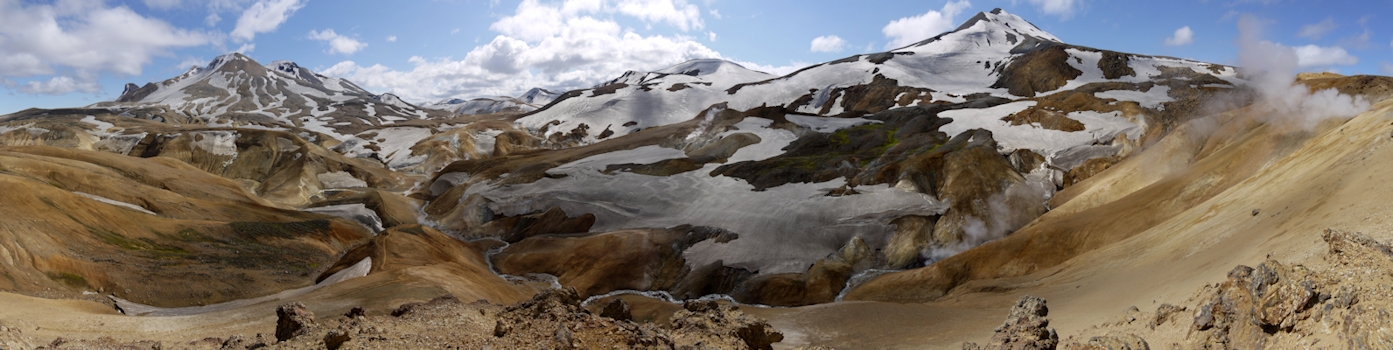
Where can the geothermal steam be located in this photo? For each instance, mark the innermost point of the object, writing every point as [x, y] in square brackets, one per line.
[1271, 71]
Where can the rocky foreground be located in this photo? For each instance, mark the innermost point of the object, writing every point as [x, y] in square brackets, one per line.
[1339, 301]
[553, 319]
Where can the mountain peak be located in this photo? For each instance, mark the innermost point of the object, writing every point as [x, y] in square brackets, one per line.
[996, 28]
[998, 18]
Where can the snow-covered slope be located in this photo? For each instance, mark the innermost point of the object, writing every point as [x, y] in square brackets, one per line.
[236, 91]
[234, 88]
[529, 101]
[638, 100]
[538, 96]
[974, 60]
[483, 105]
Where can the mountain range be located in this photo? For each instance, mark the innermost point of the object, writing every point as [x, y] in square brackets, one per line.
[856, 202]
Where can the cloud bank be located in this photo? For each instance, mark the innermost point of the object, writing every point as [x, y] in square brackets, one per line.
[567, 45]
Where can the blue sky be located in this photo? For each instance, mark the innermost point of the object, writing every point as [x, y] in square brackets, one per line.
[76, 52]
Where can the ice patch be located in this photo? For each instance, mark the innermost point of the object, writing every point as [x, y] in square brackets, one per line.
[1098, 128]
[595, 164]
[1151, 99]
[356, 212]
[115, 202]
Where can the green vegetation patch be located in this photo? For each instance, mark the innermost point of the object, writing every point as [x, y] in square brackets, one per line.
[288, 230]
[68, 279]
[143, 244]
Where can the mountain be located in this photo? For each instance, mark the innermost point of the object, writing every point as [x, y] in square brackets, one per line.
[538, 96]
[994, 54]
[529, 101]
[235, 88]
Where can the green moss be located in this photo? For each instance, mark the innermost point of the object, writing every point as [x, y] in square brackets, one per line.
[158, 250]
[279, 229]
[71, 280]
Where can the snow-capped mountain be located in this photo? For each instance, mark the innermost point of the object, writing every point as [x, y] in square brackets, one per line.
[638, 100]
[538, 96]
[483, 105]
[234, 88]
[529, 101]
[993, 54]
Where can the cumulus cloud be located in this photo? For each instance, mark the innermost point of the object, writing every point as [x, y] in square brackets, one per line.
[828, 43]
[1182, 36]
[338, 43]
[60, 85]
[1317, 56]
[677, 13]
[391, 38]
[263, 17]
[80, 41]
[1271, 71]
[1062, 8]
[909, 30]
[1317, 30]
[564, 45]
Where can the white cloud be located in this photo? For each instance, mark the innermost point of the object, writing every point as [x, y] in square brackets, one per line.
[60, 85]
[527, 22]
[716, 13]
[562, 45]
[81, 40]
[338, 43]
[1064, 8]
[909, 30]
[212, 19]
[711, 36]
[162, 4]
[263, 17]
[391, 38]
[1317, 56]
[190, 62]
[828, 43]
[1183, 36]
[245, 48]
[1387, 68]
[1317, 30]
[677, 13]
[1358, 42]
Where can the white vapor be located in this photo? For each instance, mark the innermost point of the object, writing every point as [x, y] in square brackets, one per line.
[1271, 71]
[909, 30]
[1183, 36]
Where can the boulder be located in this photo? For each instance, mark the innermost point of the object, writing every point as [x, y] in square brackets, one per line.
[292, 320]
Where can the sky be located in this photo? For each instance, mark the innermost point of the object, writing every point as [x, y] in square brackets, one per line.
[72, 53]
